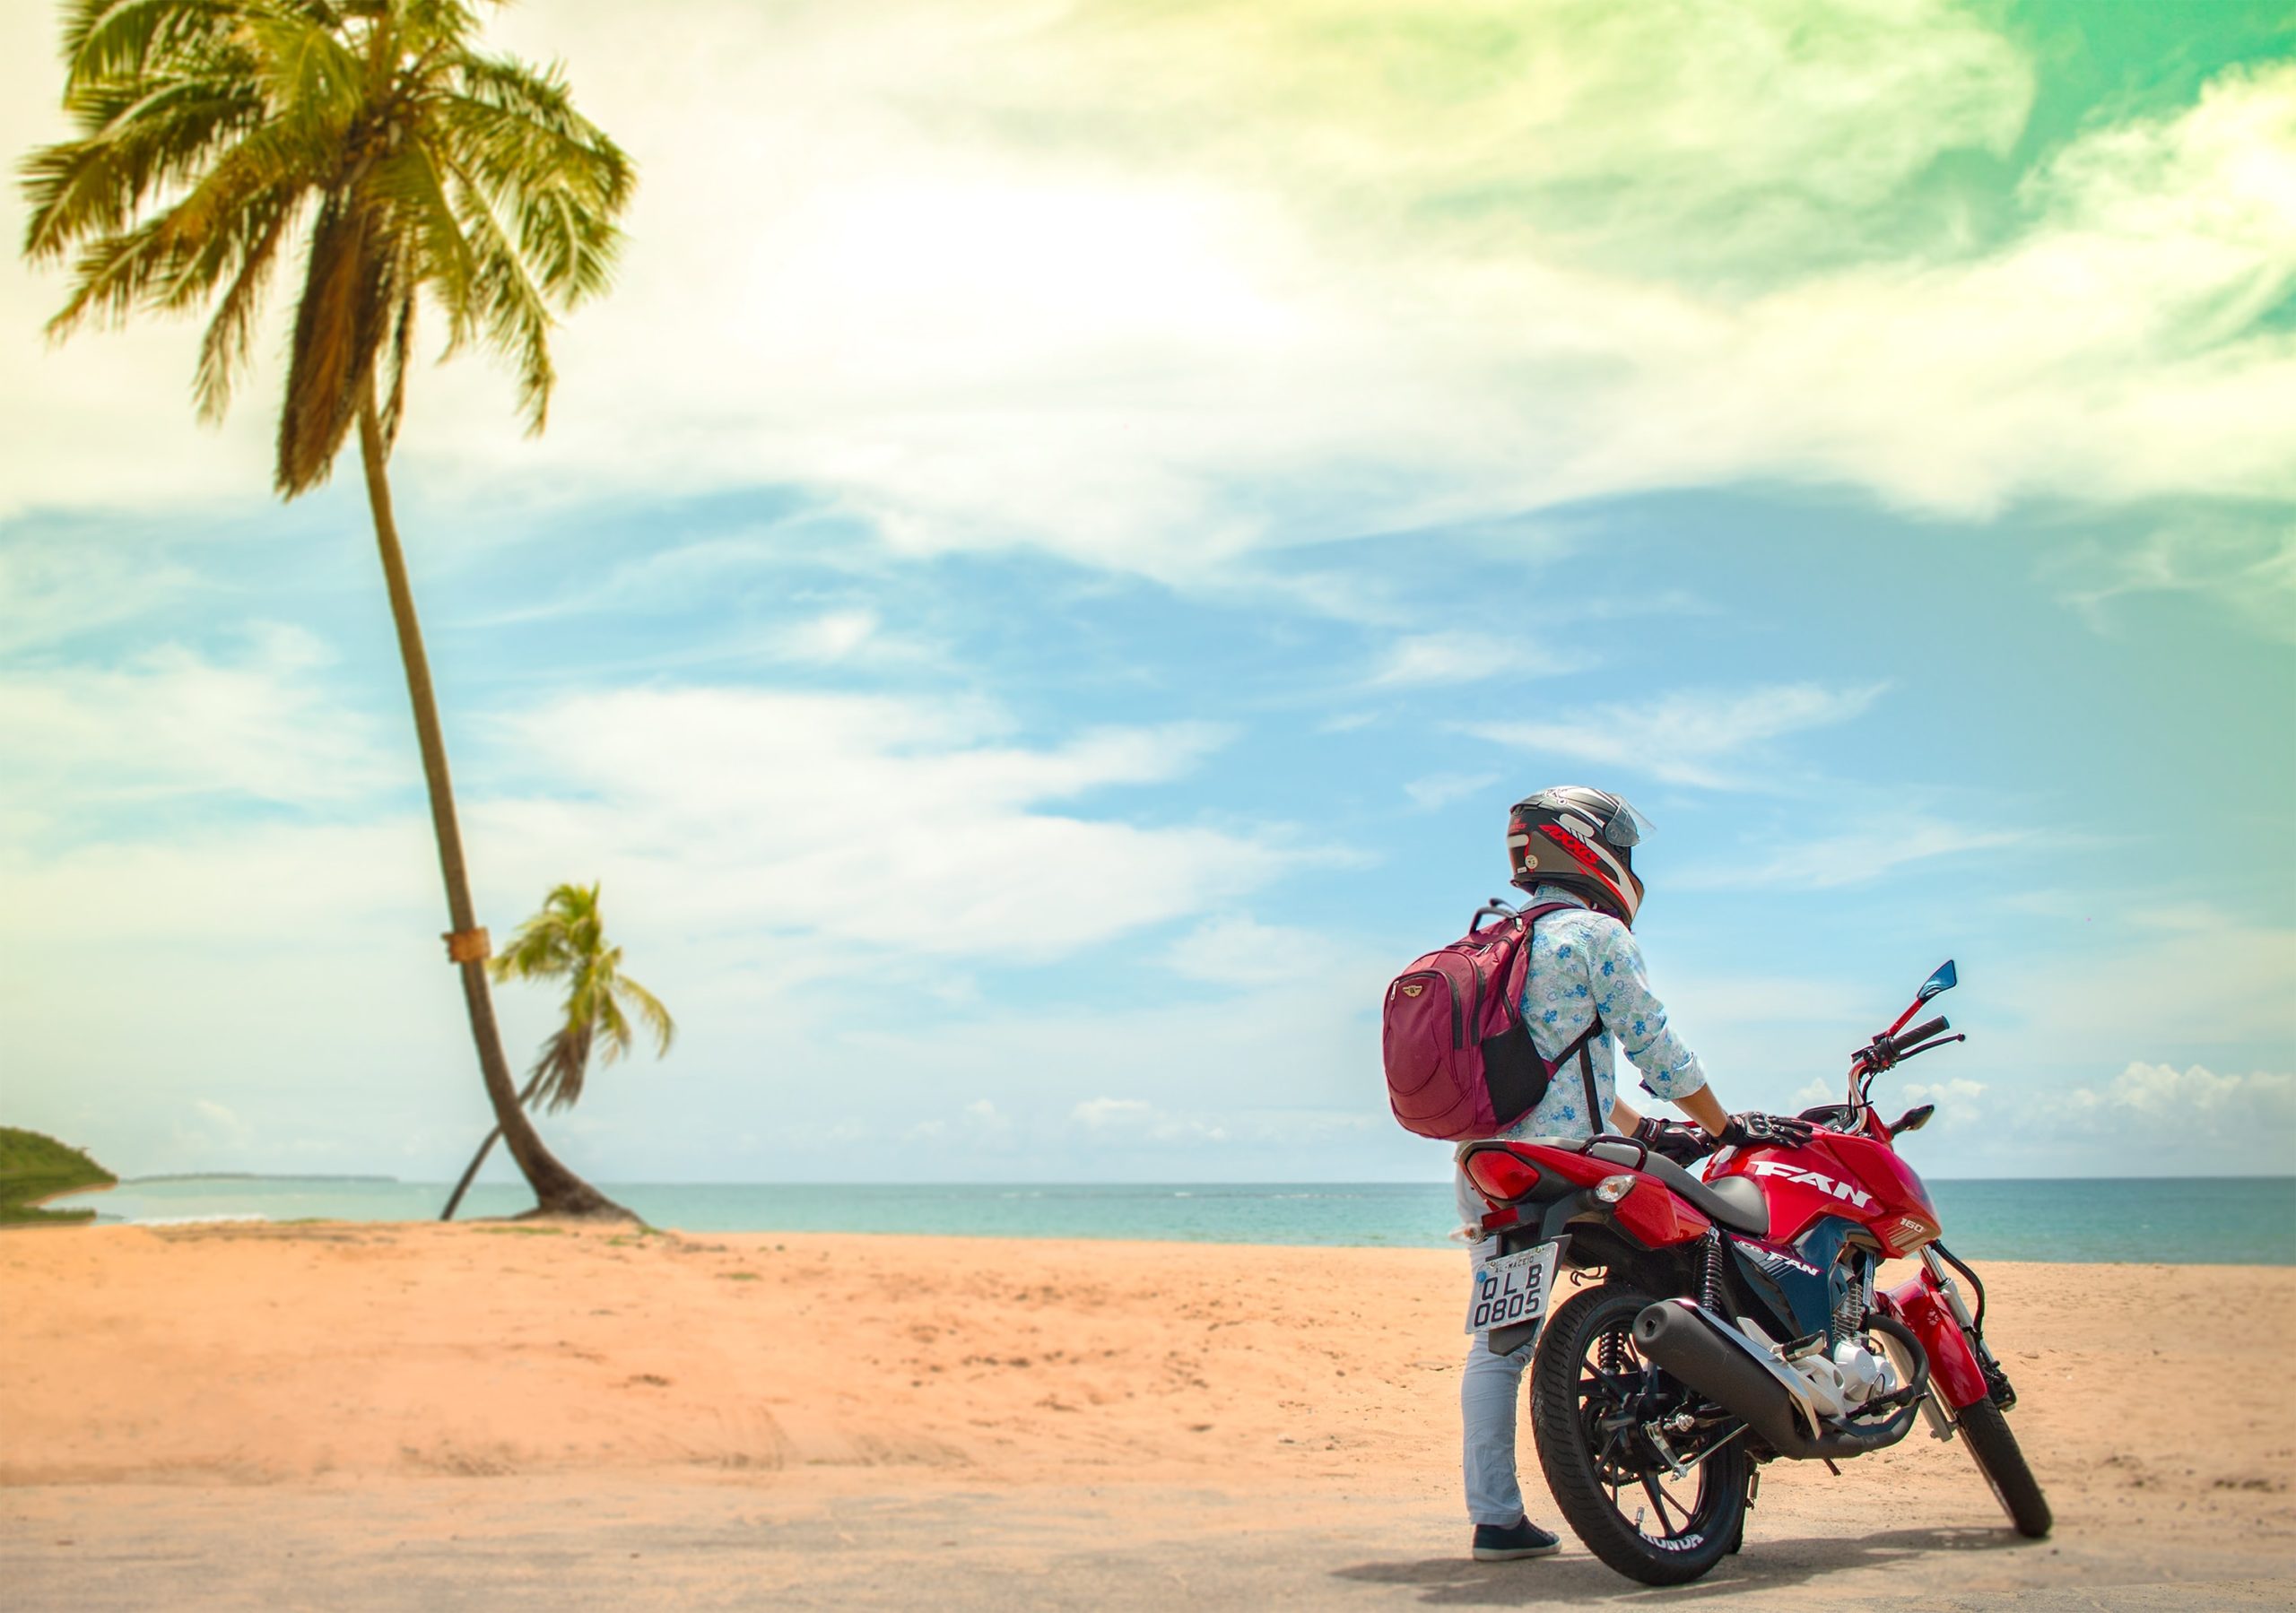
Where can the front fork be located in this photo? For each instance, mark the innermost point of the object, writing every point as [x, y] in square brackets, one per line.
[1935, 1408]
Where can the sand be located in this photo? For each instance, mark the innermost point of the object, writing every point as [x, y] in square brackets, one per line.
[421, 1415]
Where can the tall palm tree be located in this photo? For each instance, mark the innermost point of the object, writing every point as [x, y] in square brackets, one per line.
[414, 166]
[567, 941]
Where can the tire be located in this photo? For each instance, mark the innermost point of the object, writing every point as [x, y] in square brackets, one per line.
[1592, 1486]
[2002, 1463]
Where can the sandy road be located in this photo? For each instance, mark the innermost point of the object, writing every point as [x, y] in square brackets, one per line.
[432, 1417]
[845, 1541]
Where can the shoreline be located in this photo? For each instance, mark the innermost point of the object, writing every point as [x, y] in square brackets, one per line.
[256, 1221]
[531, 1226]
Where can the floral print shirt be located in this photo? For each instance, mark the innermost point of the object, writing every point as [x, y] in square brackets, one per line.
[1582, 962]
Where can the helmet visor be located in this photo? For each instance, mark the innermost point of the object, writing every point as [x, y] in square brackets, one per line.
[1620, 824]
[1627, 827]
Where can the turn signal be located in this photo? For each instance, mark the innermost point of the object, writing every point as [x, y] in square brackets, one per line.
[1610, 1190]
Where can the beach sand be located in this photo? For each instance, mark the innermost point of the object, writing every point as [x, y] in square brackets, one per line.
[507, 1415]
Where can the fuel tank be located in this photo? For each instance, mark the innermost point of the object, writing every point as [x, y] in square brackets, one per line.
[1839, 1174]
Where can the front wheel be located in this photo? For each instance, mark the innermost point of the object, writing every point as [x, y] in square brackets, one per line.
[2004, 1465]
[1593, 1402]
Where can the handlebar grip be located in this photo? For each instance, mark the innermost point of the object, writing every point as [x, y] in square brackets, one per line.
[1919, 1033]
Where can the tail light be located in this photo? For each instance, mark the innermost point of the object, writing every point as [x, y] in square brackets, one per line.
[1500, 1175]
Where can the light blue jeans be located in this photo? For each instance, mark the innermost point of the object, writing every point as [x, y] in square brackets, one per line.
[1490, 1389]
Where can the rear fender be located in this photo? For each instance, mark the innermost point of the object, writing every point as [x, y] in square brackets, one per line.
[1952, 1363]
[1651, 1215]
[1656, 1217]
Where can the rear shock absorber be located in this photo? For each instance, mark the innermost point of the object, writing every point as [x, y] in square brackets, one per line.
[1709, 1273]
[1856, 1299]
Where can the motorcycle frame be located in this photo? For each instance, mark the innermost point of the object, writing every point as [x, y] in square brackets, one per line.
[1658, 1238]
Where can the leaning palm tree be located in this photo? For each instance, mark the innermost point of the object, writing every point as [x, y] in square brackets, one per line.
[567, 941]
[412, 167]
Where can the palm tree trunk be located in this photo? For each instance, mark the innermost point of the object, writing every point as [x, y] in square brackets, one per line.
[558, 1190]
[455, 1198]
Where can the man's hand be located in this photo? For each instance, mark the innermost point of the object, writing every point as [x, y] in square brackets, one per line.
[1670, 1140]
[1754, 1129]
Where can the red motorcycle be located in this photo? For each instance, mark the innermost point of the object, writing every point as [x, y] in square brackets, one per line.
[1725, 1323]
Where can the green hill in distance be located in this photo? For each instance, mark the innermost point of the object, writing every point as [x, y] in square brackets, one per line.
[33, 1167]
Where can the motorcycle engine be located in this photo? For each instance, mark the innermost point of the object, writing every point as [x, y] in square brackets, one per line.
[1853, 1374]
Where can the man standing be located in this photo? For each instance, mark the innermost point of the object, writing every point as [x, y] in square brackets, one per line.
[1576, 845]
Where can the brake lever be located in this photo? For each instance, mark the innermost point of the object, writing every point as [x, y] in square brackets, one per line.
[1938, 1042]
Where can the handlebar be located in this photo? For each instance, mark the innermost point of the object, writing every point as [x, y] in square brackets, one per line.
[1919, 1033]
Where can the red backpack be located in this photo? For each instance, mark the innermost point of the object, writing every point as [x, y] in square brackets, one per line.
[1459, 1057]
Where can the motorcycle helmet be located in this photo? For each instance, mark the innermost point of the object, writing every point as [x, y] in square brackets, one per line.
[1582, 839]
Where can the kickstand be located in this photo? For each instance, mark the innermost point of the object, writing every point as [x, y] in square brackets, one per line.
[1829, 1466]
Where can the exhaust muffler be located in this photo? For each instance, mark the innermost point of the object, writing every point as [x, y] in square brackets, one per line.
[1684, 1338]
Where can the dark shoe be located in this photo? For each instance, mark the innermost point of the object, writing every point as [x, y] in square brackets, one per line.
[1503, 1543]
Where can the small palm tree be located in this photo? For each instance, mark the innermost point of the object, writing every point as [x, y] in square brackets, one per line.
[415, 167]
[567, 941]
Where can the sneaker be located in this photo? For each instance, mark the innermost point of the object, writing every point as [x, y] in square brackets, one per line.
[1505, 1542]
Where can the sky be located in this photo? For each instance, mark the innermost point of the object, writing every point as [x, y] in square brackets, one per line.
[1075, 521]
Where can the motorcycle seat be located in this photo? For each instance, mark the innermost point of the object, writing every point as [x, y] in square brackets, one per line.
[1734, 1202]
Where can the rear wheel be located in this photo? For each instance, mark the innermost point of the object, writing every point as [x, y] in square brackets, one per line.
[1593, 1401]
[2003, 1462]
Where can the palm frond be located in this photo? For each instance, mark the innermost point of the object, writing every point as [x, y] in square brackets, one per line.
[557, 1074]
[347, 292]
[229, 337]
[93, 185]
[606, 1015]
[650, 1009]
[313, 82]
[409, 178]
[398, 355]
[507, 306]
[111, 275]
[552, 172]
[120, 38]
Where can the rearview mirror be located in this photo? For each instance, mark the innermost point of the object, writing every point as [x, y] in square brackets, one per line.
[1943, 980]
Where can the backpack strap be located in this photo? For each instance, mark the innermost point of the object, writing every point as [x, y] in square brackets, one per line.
[1598, 1122]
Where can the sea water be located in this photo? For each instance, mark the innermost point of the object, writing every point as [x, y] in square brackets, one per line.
[2213, 1220]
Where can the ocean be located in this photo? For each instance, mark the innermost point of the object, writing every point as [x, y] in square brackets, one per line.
[2207, 1221]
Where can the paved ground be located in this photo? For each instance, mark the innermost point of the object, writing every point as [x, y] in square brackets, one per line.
[846, 1541]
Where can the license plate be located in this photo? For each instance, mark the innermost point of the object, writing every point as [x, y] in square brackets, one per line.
[1513, 1288]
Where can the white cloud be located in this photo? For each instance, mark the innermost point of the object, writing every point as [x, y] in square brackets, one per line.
[2196, 1097]
[50, 590]
[979, 1127]
[2246, 568]
[1238, 951]
[833, 636]
[759, 811]
[1957, 1099]
[1152, 290]
[1459, 657]
[1440, 789]
[1696, 737]
[172, 724]
[1140, 1120]
[1855, 856]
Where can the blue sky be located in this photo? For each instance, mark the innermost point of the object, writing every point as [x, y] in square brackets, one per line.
[1039, 615]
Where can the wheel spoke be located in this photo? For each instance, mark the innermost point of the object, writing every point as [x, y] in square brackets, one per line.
[1658, 1499]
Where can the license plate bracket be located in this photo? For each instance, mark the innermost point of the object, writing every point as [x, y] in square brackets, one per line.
[1513, 1290]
